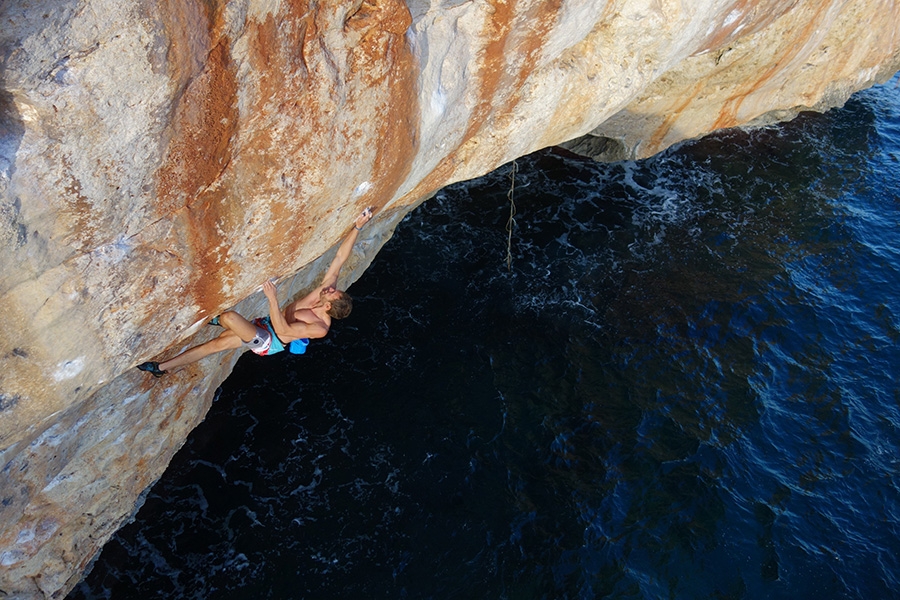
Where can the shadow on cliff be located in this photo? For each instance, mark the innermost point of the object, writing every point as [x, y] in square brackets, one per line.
[12, 129]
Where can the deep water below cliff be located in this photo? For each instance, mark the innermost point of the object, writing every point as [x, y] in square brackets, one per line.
[684, 387]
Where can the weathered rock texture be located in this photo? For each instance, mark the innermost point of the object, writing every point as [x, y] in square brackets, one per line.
[158, 160]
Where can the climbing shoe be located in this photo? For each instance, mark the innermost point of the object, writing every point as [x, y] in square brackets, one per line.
[215, 321]
[152, 368]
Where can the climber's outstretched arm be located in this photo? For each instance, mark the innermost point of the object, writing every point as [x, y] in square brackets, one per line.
[343, 253]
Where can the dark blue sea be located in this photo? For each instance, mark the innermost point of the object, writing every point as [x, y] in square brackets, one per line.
[681, 383]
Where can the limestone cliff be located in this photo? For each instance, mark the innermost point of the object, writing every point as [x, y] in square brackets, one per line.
[159, 160]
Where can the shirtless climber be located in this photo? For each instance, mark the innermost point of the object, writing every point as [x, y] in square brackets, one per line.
[304, 319]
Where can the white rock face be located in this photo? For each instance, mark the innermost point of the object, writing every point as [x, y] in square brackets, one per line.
[158, 161]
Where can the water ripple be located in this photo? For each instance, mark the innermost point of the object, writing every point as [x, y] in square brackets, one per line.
[683, 387]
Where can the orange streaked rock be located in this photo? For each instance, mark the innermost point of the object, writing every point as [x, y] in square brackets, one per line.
[158, 161]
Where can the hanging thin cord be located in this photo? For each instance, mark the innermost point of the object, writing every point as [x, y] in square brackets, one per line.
[512, 214]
